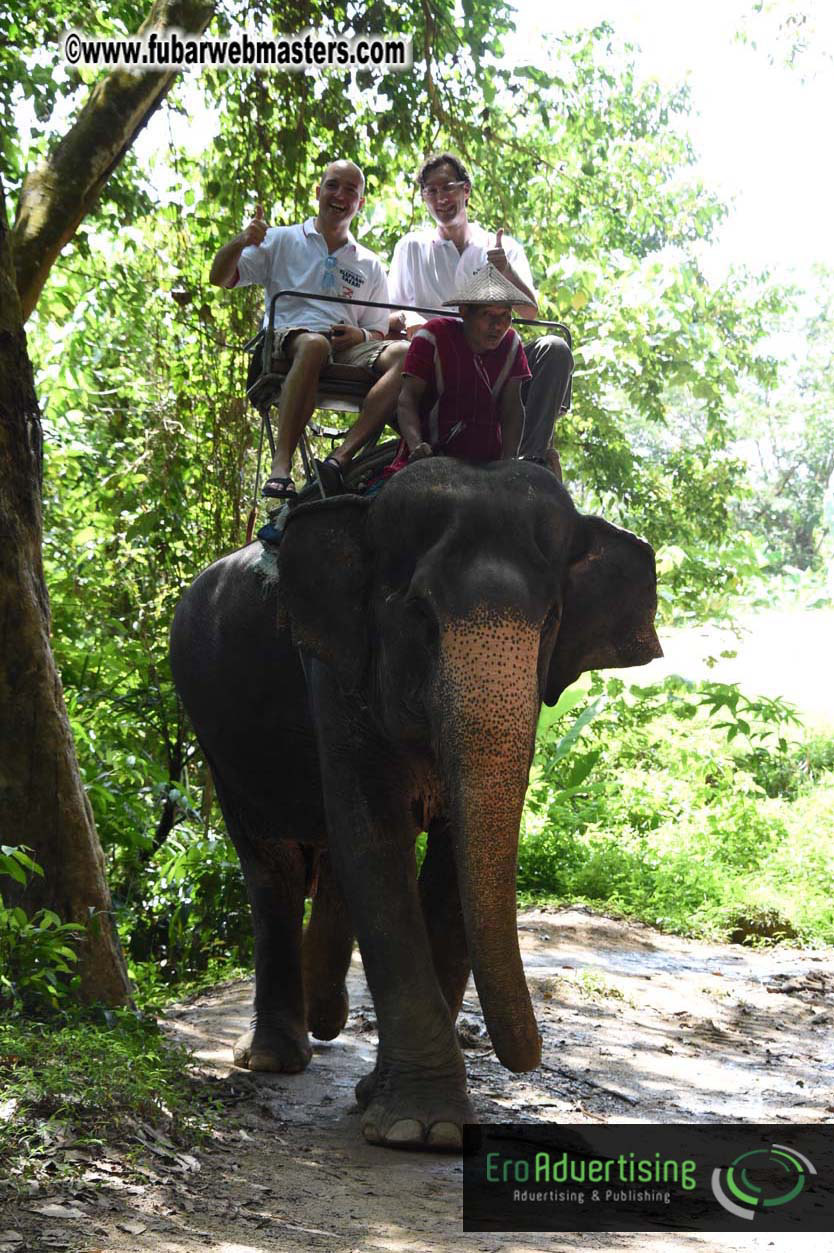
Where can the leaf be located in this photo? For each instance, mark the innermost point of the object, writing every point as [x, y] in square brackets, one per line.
[569, 699]
[567, 741]
[581, 768]
[25, 860]
[13, 870]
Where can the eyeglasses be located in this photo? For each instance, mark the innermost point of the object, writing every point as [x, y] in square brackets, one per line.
[441, 189]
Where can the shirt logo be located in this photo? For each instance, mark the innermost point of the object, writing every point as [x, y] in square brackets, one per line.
[351, 279]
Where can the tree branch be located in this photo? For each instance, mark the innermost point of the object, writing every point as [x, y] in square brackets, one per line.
[57, 195]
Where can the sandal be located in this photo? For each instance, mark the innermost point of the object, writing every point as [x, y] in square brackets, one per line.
[279, 489]
[330, 477]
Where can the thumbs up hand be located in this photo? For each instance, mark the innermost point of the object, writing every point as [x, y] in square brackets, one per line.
[496, 254]
[256, 228]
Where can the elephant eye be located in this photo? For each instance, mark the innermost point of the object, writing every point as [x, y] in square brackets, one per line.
[418, 606]
[422, 619]
[397, 573]
[553, 617]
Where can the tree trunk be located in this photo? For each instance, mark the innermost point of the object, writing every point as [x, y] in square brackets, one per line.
[42, 801]
[57, 195]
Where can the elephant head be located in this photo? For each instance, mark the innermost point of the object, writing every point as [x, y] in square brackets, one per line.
[451, 606]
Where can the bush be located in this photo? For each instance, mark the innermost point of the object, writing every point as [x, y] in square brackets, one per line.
[192, 914]
[99, 1077]
[36, 959]
[683, 805]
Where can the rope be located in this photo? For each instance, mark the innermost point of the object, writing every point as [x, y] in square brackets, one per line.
[250, 522]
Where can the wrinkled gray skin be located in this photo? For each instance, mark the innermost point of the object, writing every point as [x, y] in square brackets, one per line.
[396, 688]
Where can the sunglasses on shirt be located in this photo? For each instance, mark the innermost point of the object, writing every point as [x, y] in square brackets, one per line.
[328, 278]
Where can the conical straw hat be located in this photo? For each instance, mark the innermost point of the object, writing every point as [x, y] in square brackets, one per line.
[487, 286]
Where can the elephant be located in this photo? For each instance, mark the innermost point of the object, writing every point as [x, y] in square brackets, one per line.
[387, 680]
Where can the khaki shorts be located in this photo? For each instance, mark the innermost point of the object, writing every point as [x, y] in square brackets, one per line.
[360, 354]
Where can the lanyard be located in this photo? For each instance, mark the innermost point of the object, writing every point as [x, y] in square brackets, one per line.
[481, 369]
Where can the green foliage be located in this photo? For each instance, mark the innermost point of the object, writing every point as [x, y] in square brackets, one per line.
[692, 806]
[190, 913]
[150, 447]
[34, 83]
[594, 986]
[36, 957]
[96, 1081]
[786, 430]
[706, 581]
[155, 989]
[149, 444]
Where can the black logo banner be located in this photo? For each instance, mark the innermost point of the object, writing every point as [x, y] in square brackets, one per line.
[649, 1177]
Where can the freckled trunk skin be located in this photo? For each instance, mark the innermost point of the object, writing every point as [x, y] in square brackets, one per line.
[488, 703]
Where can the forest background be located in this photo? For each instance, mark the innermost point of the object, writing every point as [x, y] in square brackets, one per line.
[702, 419]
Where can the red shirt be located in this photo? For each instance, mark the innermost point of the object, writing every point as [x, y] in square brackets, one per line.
[459, 408]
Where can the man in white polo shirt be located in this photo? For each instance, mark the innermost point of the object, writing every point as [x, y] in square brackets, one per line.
[319, 255]
[429, 265]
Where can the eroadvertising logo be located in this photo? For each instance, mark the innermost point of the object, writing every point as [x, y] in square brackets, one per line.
[749, 1195]
[646, 1177]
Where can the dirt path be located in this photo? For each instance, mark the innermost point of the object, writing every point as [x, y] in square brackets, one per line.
[637, 1026]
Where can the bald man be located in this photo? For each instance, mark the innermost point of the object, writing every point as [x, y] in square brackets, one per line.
[321, 256]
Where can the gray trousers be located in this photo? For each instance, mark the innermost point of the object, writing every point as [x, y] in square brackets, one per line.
[546, 394]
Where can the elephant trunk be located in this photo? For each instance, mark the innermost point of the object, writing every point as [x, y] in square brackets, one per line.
[489, 705]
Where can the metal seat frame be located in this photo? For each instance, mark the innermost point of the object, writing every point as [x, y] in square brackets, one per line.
[341, 388]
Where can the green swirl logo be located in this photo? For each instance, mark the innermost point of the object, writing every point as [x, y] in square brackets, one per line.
[760, 1180]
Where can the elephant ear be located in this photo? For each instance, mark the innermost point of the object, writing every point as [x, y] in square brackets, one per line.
[323, 582]
[610, 600]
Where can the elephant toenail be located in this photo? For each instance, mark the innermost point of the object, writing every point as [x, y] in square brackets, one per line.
[371, 1134]
[406, 1131]
[445, 1135]
[263, 1061]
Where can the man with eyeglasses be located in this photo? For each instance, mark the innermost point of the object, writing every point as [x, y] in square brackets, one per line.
[429, 265]
[319, 255]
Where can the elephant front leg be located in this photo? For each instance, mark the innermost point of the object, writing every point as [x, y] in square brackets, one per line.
[277, 1039]
[416, 1096]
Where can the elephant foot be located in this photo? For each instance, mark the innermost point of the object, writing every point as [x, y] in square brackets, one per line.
[408, 1107]
[274, 1047]
[364, 1089]
[326, 1015]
